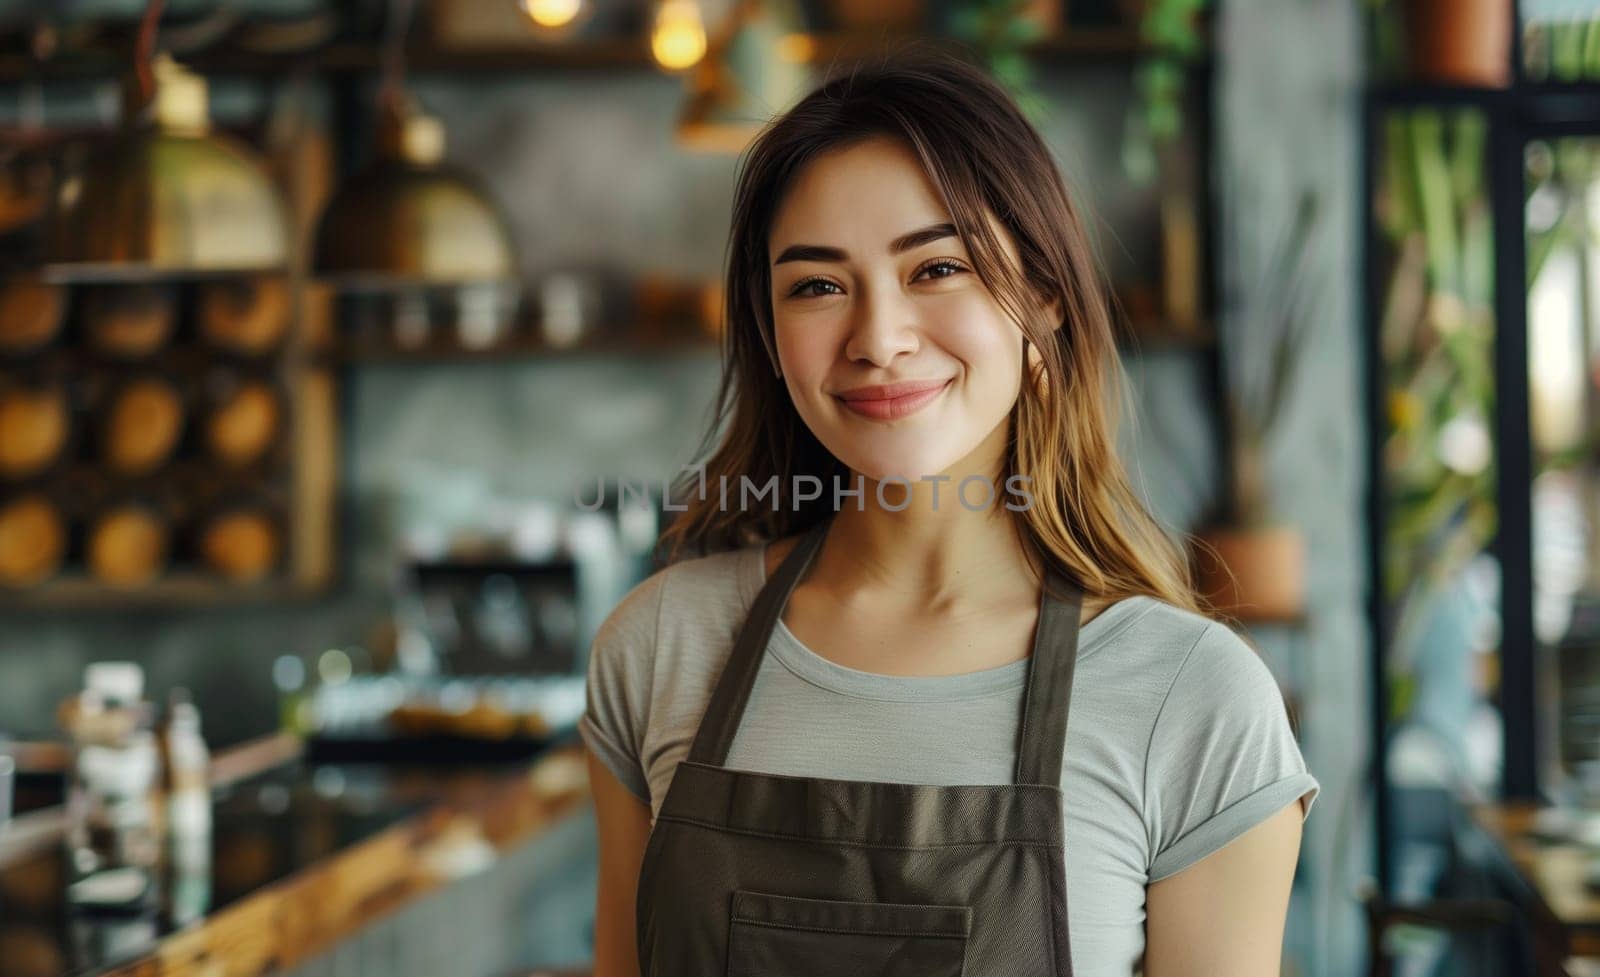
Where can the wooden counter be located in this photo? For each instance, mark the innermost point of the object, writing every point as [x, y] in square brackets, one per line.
[304, 858]
[1550, 874]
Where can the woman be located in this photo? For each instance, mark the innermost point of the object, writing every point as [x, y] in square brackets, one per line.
[836, 738]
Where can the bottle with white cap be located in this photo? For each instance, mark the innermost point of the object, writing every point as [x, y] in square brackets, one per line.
[188, 765]
[114, 825]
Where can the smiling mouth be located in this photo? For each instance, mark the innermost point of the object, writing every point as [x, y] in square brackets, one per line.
[894, 408]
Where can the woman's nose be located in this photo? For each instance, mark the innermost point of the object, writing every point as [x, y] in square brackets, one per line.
[883, 325]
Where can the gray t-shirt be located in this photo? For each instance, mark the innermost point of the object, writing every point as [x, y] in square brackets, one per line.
[1177, 738]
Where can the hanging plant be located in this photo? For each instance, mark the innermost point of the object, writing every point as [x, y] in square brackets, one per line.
[1170, 34]
[1001, 32]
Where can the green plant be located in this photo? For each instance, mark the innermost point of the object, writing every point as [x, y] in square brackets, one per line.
[1565, 50]
[1170, 35]
[1001, 31]
[1170, 31]
[1436, 336]
[1264, 351]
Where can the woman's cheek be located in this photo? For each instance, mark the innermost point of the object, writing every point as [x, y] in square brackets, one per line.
[975, 332]
[806, 351]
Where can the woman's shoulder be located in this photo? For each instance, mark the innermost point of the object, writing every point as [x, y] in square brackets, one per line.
[1153, 643]
[1200, 667]
[693, 585]
[1176, 686]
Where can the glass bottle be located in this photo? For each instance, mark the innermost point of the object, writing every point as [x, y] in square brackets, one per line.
[188, 765]
[114, 825]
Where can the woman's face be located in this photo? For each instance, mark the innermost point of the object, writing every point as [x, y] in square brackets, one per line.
[872, 287]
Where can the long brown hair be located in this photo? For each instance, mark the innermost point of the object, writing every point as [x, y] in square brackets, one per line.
[985, 159]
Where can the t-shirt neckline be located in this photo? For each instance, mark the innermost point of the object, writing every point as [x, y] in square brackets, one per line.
[828, 674]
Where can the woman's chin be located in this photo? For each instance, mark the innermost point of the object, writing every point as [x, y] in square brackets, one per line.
[912, 469]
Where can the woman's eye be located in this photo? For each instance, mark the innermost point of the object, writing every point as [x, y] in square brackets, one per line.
[799, 291]
[803, 288]
[950, 266]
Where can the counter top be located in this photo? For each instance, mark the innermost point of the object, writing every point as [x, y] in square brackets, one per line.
[303, 856]
[1549, 876]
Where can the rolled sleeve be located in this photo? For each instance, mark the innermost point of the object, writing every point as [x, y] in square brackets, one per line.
[1222, 757]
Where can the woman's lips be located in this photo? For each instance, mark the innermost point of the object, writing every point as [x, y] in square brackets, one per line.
[893, 408]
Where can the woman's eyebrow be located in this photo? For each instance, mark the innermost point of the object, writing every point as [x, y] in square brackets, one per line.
[900, 245]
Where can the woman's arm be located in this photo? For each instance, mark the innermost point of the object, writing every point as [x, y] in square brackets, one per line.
[1224, 915]
[624, 824]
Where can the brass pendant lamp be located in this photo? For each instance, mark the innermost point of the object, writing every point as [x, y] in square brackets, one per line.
[408, 219]
[166, 197]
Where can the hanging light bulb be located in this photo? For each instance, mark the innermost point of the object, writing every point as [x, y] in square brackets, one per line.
[551, 14]
[678, 39]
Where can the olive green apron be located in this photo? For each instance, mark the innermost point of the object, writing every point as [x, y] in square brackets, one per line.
[762, 875]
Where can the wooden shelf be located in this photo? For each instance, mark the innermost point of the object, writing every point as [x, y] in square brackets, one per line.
[602, 53]
[1405, 94]
[340, 57]
[185, 589]
[1158, 337]
[520, 347]
[1114, 44]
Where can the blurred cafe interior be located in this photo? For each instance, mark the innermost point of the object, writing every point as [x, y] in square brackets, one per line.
[322, 321]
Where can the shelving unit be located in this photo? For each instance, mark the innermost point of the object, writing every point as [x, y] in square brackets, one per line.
[76, 591]
[188, 483]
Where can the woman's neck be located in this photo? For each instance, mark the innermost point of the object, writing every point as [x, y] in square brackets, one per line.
[953, 565]
[950, 561]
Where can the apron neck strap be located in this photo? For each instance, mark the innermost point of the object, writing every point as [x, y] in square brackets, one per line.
[732, 691]
[1041, 732]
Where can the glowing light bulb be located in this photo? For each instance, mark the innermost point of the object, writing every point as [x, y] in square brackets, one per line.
[551, 13]
[678, 39]
[797, 48]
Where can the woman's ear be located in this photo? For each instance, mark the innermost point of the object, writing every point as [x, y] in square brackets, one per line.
[1057, 313]
[1050, 306]
[1032, 365]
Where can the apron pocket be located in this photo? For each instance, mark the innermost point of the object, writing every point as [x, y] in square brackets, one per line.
[787, 936]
